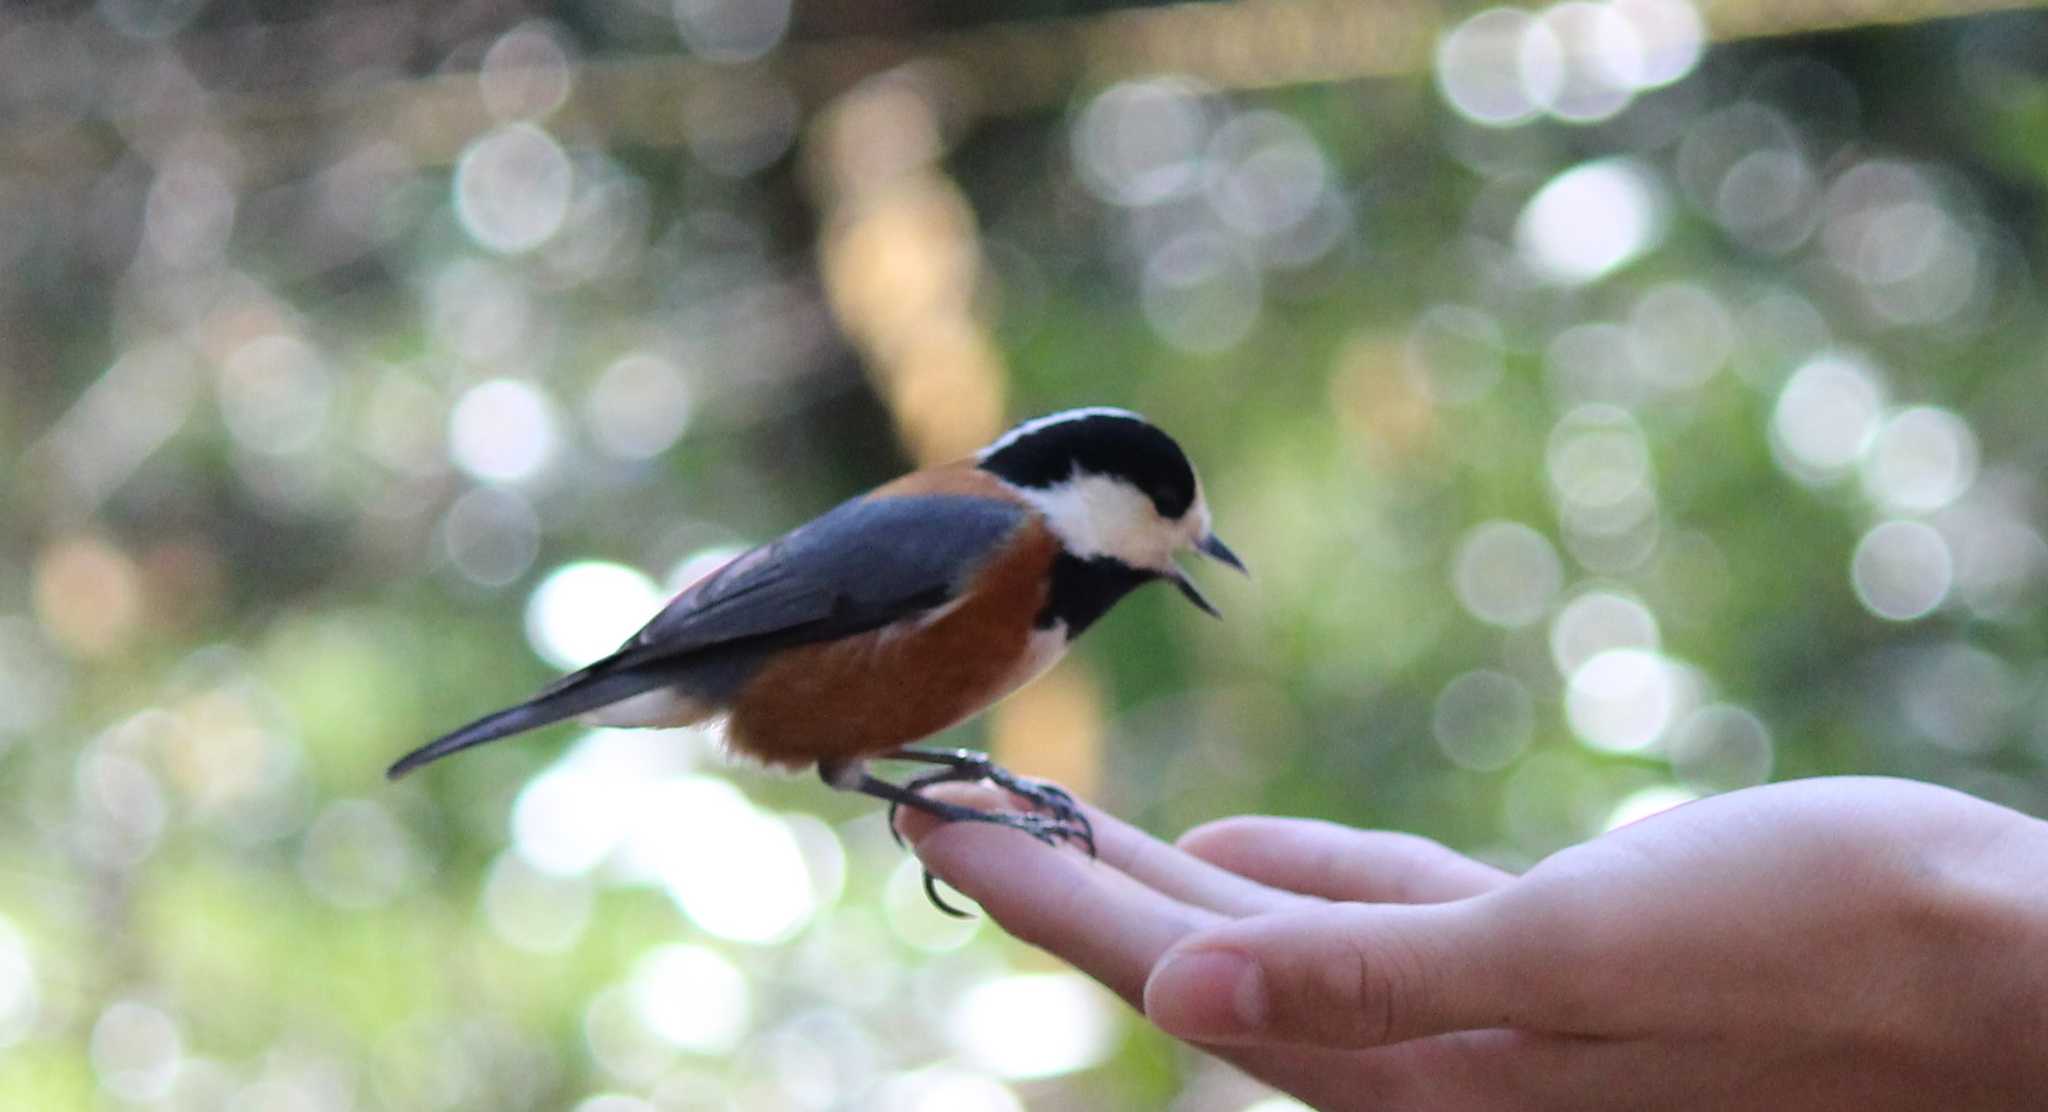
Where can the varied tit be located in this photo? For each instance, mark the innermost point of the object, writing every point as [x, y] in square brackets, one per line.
[905, 611]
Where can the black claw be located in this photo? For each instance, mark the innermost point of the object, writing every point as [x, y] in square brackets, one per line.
[895, 832]
[1045, 828]
[931, 892]
[1052, 830]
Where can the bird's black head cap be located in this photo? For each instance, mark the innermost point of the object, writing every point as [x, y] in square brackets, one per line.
[1114, 443]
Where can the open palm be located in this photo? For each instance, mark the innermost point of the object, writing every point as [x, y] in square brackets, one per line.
[1821, 944]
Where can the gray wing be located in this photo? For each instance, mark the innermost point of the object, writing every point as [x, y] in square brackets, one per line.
[859, 567]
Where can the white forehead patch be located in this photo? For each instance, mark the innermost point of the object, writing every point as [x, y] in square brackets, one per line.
[1037, 424]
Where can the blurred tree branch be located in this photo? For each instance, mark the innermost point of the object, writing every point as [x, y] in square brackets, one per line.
[994, 70]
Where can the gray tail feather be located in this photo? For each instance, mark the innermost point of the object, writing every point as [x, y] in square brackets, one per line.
[576, 695]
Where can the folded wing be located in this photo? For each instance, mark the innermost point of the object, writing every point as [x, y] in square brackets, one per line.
[859, 567]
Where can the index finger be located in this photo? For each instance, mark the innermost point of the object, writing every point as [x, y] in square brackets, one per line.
[1093, 916]
[1185, 876]
[1340, 863]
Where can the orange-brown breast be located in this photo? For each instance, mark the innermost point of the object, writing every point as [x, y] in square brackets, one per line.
[880, 690]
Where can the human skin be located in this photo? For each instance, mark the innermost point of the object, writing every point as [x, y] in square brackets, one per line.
[1843, 943]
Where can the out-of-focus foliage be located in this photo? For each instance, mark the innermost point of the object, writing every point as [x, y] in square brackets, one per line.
[1609, 418]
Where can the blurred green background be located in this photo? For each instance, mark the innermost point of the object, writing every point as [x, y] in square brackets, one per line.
[1618, 402]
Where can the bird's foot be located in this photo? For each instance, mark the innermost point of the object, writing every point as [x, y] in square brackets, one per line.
[1054, 815]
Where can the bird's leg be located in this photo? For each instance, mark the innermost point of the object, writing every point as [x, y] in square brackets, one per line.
[853, 776]
[962, 766]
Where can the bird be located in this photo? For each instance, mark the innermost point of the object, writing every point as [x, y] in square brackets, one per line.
[903, 612]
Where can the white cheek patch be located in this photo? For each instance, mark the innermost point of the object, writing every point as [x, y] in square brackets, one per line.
[1097, 516]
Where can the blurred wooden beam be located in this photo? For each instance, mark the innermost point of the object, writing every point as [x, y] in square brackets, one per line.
[996, 70]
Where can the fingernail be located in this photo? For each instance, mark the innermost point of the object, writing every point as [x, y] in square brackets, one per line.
[1207, 994]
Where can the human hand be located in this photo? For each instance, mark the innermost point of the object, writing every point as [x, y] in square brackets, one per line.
[1826, 943]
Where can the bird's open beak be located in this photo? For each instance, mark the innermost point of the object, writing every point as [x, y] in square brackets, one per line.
[1213, 547]
[1216, 550]
[1187, 589]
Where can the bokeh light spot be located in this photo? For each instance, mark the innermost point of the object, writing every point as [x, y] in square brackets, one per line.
[1268, 173]
[1141, 142]
[584, 610]
[1825, 417]
[1595, 622]
[88, 595]
[1765, 197]
[1594, 362]
[638, 407]
[1622, 700]
[1721, 747]
[503, 431]
[1591, 220]
[1888, 227]
[136, 1050]
[1030, 1025]
[1506, 573]
[1671, 34]
[275, 394]
[732, 30]
[1499, 67]
[1603, 61]
[512, 188]
[1923, 458]
[693, 997]
[1961, 698]
[1902, 570]
[567, 820]
[1598, 463]
[491, 535]
[121, 807]
[526, 74]
[757, 888]
[2000, 559]
[1201, 293]
[1680, 335]
[20, 998]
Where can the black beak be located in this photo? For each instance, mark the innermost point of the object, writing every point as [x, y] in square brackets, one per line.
[1187, 589]
[1213, 547]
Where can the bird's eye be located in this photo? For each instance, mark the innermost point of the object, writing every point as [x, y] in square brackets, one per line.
[1166, 496]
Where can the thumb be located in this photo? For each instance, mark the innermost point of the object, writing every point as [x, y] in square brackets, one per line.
[1359, 975]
